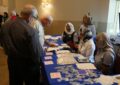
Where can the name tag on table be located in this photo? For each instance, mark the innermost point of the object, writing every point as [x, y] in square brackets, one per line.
[54, 75]
[48, 57]
[49, 53]
[48, 62]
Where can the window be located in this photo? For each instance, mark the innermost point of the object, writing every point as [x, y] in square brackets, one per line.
[113, 17]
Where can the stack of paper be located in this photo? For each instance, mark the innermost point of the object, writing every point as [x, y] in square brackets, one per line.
[48, 62]
[85, 66]
[66, 60]
[49, 53]
[48, 36]
[52, 49]
[80, 58]
[63, 55]
[64, 44]
[48, 57]
[117, 77]
[52, 37]
[62, 51]
[56, 48]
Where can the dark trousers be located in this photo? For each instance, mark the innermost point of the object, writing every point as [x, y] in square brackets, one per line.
[21, 71]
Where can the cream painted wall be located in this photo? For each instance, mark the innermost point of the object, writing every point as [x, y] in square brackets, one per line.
[3, 6]
[20, 4]
[11, 5]
[71, 10]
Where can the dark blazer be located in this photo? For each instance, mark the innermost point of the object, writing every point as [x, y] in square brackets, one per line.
[21, 42]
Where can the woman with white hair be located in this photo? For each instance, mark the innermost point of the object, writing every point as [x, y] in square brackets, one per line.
[86, 46]
[69, 35]
[105, 55]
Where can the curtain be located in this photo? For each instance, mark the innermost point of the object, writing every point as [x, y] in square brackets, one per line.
[113, 18]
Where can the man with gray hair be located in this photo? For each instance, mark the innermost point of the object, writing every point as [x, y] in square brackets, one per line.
[21, 43]
[45, 21]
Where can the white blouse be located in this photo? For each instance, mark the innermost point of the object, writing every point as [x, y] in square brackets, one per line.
[87, 49]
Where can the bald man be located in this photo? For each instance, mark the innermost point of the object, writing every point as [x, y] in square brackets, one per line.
[21, 44]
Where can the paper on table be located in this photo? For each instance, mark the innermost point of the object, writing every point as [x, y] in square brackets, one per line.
[66, 60]
[48, 57]
[106, 80]
[62, 51]
[56, 48]
[52, 49]
[80, 58]
[117, 77]
[64, 44]
[65, 55]
[48, 36]
[85, 66]
[62, 55]
[49, 53]
[54, 38]
[55, 75]
[48, 62]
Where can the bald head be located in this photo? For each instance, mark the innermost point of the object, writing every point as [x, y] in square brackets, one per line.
[29, 11]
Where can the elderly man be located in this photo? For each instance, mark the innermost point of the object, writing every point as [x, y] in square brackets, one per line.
[45, 21]
[21, 44]
[39, 25]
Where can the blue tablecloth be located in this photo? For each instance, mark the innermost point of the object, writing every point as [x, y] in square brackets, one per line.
[53, 68]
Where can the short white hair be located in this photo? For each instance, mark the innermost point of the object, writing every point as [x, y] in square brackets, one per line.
[30, 9]
[50, 18]
[13, 13]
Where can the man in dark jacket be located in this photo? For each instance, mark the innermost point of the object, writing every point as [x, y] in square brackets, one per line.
[21, 44]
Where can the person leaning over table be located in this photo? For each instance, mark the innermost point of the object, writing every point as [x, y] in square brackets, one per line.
[45, 21]
[21, 43]
[86, 46]
[69, 35]
[105, 56]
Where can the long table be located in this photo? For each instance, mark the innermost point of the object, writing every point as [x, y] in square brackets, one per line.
[70, 74]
